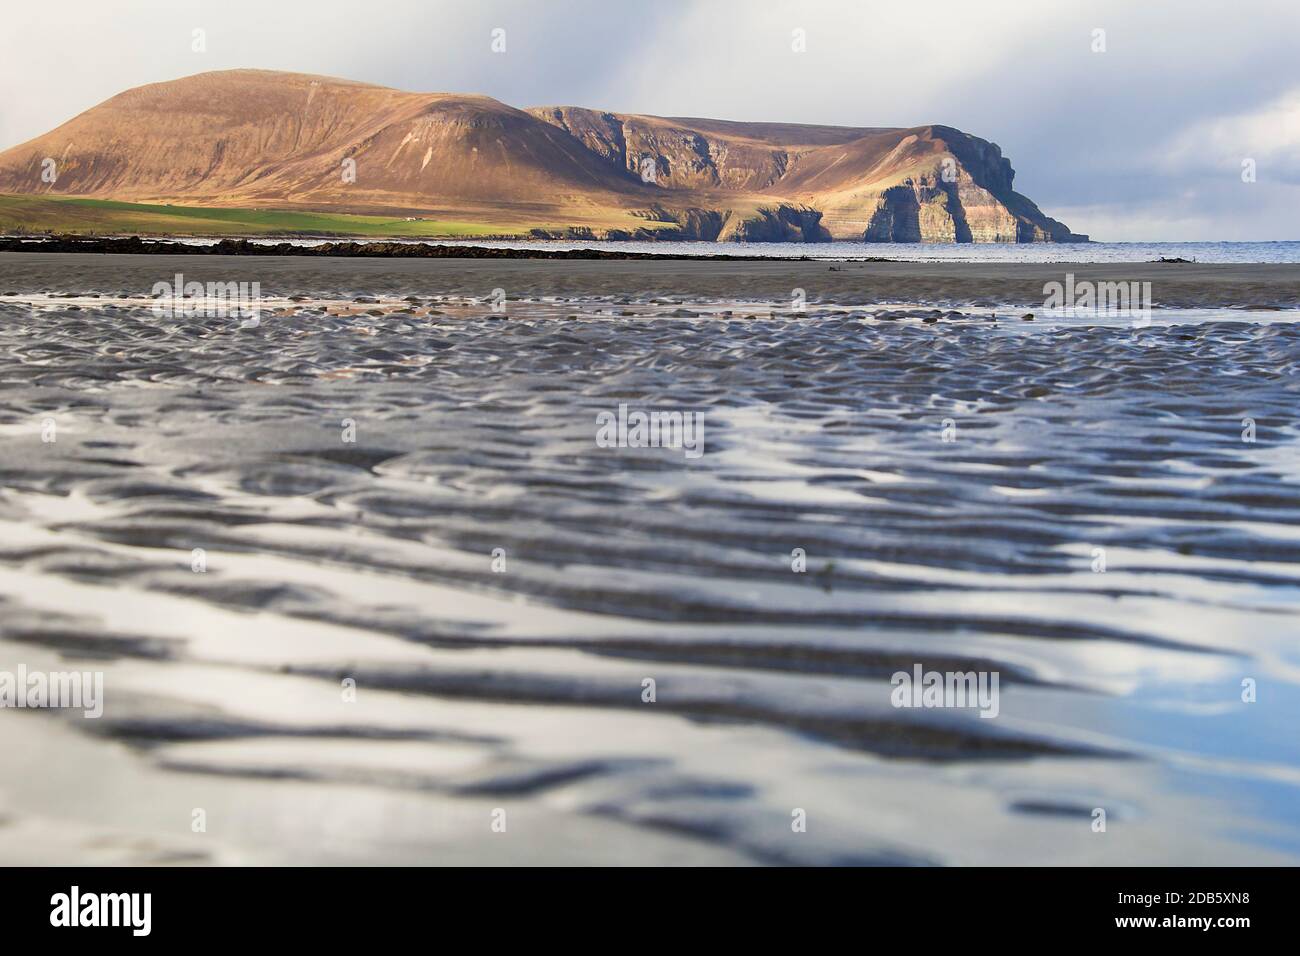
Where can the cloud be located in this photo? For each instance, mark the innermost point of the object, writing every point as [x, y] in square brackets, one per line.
[1270, 136]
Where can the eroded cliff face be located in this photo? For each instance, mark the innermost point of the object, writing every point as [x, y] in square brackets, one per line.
[781, 223]
[931, 184]
[777, 224]
[254, 137]
[930, 210]
[669, 155]
[939, 184]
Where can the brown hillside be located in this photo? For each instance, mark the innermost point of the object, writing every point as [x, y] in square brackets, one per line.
[269, 139]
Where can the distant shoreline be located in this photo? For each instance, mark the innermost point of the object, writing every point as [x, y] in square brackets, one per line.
[626, 277]
[135, 245]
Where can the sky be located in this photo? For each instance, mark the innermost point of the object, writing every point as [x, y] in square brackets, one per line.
[1136, 133]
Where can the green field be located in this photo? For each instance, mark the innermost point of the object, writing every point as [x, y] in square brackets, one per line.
[107, 217]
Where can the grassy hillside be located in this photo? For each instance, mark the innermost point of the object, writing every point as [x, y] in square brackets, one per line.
[105, 216]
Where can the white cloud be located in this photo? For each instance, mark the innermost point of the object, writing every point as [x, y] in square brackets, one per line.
[1269, 135]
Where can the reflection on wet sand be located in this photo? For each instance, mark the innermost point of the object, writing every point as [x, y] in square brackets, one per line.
[520, 686]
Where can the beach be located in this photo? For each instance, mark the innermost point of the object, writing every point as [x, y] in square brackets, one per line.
[365, 587]
[1174, 285]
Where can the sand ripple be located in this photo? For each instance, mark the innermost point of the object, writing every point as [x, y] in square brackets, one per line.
[372, 560]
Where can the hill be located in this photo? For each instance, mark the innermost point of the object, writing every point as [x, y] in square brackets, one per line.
[262, 140]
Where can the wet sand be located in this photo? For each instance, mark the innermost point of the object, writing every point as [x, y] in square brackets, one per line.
[519, 687]
[1174, 285]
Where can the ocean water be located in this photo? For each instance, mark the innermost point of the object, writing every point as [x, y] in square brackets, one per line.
[961, 252]
[1236, 252]
[405, 498]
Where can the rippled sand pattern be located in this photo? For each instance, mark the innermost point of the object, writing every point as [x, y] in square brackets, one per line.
[480, 689]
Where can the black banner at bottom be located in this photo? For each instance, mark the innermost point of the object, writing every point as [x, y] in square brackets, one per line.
[301, 905]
